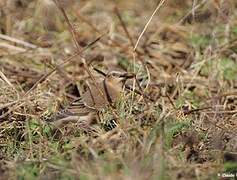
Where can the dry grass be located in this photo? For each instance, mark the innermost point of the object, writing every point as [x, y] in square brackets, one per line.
[77, 102]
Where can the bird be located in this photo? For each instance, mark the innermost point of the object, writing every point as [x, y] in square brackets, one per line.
[99, 95]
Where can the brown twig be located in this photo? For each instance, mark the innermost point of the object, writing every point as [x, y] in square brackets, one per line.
[148, 22]
[171, 101]
[70, 26]
[116, 10]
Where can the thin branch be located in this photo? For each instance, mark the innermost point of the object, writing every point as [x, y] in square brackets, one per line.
[147, 24]
[17, 41]
[70, 26]
[116, 10]
[11, 47]
[191, 11]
